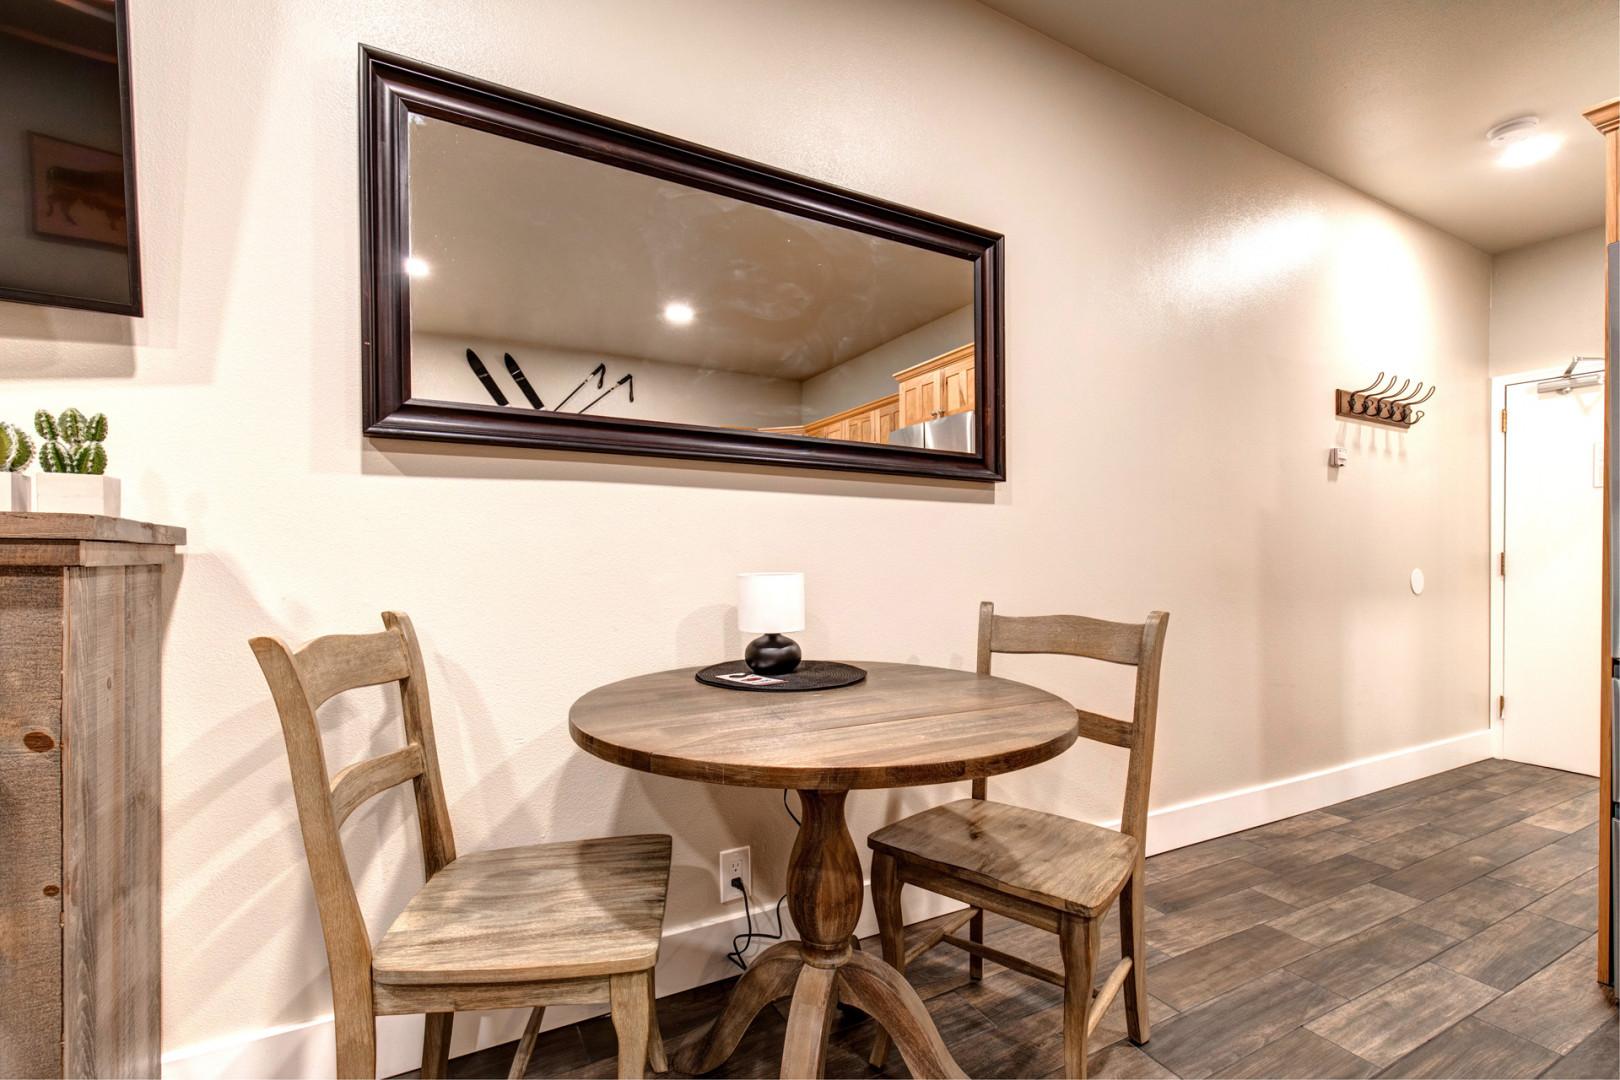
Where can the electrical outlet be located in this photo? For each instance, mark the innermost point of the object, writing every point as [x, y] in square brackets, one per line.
[735, 862]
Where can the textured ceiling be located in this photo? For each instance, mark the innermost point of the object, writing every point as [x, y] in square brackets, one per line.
[1390, 96]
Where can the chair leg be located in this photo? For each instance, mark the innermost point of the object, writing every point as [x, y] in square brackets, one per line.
[1131, 945]
[632, 1021]
[356, 1042]
[976, 935]
[656, 1060]
[891, 933]
[1078, 940]
[525, 1046]
[436, 1045]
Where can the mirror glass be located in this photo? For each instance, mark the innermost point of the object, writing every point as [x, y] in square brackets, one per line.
[67, 221]
[543, 280]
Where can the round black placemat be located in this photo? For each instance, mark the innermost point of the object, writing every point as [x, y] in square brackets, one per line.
[809, 675]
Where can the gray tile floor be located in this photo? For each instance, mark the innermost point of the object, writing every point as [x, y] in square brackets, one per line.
[1443, 928]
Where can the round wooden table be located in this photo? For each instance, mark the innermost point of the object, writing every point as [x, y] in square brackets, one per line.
[905, 725]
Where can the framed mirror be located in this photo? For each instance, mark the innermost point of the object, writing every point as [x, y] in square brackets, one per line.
[68, 235]
[539, 276]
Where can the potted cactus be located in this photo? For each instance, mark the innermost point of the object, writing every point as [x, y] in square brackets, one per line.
[75, 464]
[16, 451]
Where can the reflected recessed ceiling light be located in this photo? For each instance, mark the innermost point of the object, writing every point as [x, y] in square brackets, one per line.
[1520, 144]
[416, 266]
[678, 313]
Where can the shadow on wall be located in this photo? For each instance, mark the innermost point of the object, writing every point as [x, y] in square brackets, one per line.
[64, 343]
[400, 457]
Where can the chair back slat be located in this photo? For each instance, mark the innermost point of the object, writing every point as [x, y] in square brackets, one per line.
[1072, 635]
[300, 682]
[360, 781]
[1139, 645]
[330, 665]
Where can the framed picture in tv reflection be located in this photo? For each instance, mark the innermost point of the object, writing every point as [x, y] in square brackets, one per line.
[78, 192]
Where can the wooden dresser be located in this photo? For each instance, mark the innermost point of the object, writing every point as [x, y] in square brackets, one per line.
[81, 628]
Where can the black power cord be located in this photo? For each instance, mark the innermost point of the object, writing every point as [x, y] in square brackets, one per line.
[736, 955]
[746, 938]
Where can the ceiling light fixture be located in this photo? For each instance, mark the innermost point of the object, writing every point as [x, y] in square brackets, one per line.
[678, 313]
[1519, 143]
[416, 266]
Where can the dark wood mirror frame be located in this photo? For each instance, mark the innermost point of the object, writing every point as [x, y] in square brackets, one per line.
[393, 88]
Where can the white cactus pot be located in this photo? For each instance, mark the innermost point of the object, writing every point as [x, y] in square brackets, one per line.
[76, 493]
[15, 491]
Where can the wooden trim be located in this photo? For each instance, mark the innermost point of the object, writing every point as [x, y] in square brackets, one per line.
[472, 997]
[393, 89]
[83, 553]
[1605, 116]
[937, 362]
[875, 403]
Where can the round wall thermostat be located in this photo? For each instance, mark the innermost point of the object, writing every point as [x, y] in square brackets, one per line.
[1417, 582]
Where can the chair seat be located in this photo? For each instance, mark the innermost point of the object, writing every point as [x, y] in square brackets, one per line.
[579, 909]
[1046, 859]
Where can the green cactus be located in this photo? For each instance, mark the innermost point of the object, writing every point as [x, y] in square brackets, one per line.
[72, 442]
[16, 448]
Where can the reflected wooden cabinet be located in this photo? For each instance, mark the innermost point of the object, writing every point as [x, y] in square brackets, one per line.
[871, 422]
[939, 387]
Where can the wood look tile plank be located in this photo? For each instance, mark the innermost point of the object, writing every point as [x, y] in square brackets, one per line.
[1387, 823]
[1379, 801]
[1403, 1014]
[1300, 1053]
[1557, 1007]
[1326, 879]
[1597, 1056]
[1574, 902]
[1549, 868]
[1560, 788]
[1468, 909]
[1295, 853]
[1482, 819]
[1239, 1022]
[1296, 826]
[1506, 954]
[1570, 815]
[1336, 919]
[1186, 930]
[1189, 890]
[1185, 860]
[1371, 958]
[1404, 849]
[1472, 1048]
[1438, 874]
[1210, 970]
[1122, 1061]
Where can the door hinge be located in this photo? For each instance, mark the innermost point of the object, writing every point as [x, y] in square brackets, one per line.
[1501, 706]
[1504, 421]
[1501, 564]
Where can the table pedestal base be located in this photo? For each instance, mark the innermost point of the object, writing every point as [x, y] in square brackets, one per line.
[824, 897]
[861, 980]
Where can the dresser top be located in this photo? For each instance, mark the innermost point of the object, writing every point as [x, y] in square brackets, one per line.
[24, 525]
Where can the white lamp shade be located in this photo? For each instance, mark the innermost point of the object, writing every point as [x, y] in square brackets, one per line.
[770, 603]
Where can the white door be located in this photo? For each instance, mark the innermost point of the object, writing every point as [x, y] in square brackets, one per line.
[1553, 540]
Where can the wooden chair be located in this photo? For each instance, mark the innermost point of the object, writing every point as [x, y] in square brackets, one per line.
[521, 927]
[1044, 870]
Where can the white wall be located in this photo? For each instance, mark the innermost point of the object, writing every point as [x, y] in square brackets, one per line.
[1180, 303]
[678, 393]
[1547, 303]
[870, 375]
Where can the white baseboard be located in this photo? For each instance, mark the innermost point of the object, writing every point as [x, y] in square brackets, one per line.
[694, 954]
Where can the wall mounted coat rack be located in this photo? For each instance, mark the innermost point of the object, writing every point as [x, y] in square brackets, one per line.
[1389, 405]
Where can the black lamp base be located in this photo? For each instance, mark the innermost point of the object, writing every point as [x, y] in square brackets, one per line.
[772, 654]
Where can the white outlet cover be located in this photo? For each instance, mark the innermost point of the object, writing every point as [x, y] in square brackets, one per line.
[1417, 582]
[741, 859]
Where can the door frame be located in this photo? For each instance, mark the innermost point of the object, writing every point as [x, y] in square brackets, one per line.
[1499, 389]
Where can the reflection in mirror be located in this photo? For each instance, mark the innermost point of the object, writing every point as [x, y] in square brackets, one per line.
[540, 280]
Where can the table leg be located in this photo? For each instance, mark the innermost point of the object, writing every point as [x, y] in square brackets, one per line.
[824, 898]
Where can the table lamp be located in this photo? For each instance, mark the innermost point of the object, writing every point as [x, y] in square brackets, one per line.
[770, 604]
